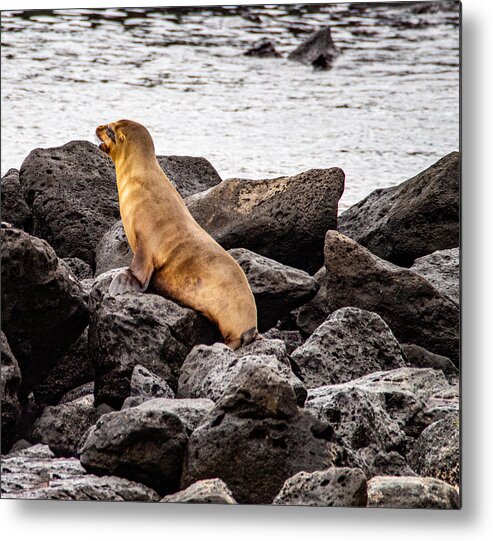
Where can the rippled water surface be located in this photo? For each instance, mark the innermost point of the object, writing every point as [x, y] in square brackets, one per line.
[387, 109]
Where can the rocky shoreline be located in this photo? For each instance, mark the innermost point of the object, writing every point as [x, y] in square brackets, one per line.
[350, 399]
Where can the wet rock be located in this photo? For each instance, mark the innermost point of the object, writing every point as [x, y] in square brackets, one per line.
[72, 194]
[292, 339]
[284, 219]
[350, 343]
[35, 473]
[142, 445]
[334, 487]
[410, 220]
[10, 384]
[277, 288]
[441, 269]
[421, 358]
[206, 491]
[436, 452]
[189, 174]
[209, 370]
[15, 210]
[414, 310]
[411, 493]
[145, 384]
[43, 305]
[318, 50]
[264, 48]
[80, 269]
[256, 438]
[74, 369]
[191, 411]
[62, 427]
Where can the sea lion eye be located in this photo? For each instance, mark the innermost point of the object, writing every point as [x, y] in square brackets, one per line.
[111, 134]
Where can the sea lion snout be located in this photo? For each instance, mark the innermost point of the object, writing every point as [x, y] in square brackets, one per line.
[103, 135]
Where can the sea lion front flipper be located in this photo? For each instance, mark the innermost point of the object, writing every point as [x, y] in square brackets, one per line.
[141, 267]
[124, 282]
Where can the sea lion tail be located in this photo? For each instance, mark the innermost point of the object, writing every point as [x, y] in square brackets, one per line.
[250, 336]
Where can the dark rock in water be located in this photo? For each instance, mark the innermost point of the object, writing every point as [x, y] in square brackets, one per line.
[318, 50]
[43, 305]
[263, 48]
[410, 220]
[421, 358]
[15, 210]
[145, 384]
[256, 438]
[72, 194]
[284, 218]
[142, 445]
[62, 427]
[291, 338]
[350, 343]
[74, 369]
[206, 491]
[411, 493]
[10, 384]
[441, 269]
[436, 452]
[35, 473]
[209, 370]
[80, 269]
[277, 288]
[335, 487]
[189, 174]
[415, 311]
[140, 329]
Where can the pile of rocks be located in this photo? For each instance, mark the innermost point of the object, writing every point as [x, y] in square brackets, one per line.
[350, 398]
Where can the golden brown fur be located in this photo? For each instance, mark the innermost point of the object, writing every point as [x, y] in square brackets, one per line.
[184, 262]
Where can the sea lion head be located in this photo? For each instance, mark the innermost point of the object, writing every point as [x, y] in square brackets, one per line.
[124, 137]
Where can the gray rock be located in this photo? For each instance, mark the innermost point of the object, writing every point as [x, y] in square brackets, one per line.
[78, 392]
[209, 370]
[256, 438]
[411, 493]
[74, 369]
[62, 427]
[415, 311]
[410, 220]
[350, 343]
[277, 288]
[284, 219]
[334, 487]
[35, 473]
[441, 269]
[436, 452]
[292, 339]
[80, 269]
[264, 48]
[206, 491]
[10, 384]
[318, 50]
[421, 358]
[145, 384]
[140, 329]
[15, 210]
[142, 445]
[391, 463]
[191, 411]
[113, 250]
[43, 305]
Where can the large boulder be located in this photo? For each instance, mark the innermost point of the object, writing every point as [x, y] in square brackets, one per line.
[410, 220]
[277, 288]
[206, 491]
[15, 210]
[43, 305]
[10, 384]
[317, 50]
[140, 329]
[334, 487]
[411, 493]
[35, 473]
[442, 270]
[146, 385]
[145, 445]
[422, 358]
[283, 218]
[350, 343]
[416, 312]
[256, 438]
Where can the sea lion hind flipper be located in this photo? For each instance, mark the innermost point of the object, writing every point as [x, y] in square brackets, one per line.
[124, 282]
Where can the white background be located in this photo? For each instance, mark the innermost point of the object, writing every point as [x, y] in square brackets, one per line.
[119, 521]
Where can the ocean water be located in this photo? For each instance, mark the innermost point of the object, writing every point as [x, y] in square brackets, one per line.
[387, 109]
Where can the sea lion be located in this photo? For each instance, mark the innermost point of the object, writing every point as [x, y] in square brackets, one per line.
[169, 247]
